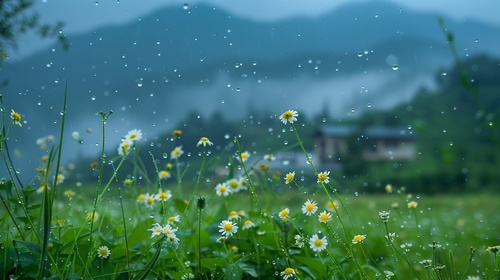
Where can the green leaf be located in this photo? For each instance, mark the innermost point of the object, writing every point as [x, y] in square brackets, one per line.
[140, 233]
[314, 264]
[248, 269]
[5, 185]
[233, 271]
[28, 190]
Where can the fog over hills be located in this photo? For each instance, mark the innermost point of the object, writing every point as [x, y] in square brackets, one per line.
[154, 71]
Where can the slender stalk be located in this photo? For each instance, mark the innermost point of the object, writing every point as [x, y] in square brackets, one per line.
[471, 259]
[104, 119]
[49, 196]
[124, 228]
[391, 245]
[199, 240]
[198, 179]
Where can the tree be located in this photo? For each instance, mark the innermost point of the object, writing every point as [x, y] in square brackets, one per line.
[16, 18]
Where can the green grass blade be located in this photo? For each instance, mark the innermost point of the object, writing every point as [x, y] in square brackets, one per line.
[143, 273]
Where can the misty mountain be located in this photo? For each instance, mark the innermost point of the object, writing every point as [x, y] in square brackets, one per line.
[155, 70]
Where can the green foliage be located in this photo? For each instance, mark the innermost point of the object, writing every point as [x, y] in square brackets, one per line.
[16, 19]
[456, 150]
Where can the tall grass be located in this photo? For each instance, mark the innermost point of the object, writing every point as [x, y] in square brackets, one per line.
[238, 218]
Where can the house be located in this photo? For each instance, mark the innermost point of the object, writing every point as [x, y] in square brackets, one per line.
[334, 142]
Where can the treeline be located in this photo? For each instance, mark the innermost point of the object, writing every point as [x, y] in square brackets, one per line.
[457, 134]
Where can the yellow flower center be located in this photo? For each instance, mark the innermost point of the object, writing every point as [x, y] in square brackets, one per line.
[324, 217]
[309, 207]
[289, 271]
[163, 195]
[204, 139]
[228, 226]
[233, 184]
[171, 219]
[287, 115]
[16, 117]
[222, 189]
[233, 213]
[331, 205]
[358, 238]
[151, 201]
[104, 252]
[284, 213]
[69, 193]
[247, 223]
[318, 242]
[322, 176]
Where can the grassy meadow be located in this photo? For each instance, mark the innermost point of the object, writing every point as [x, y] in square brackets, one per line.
[228, 222]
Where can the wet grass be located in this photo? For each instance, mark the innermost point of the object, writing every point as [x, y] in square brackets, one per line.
[246, 222]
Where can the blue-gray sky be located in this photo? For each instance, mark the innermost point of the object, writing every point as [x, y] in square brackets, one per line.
[81, 16]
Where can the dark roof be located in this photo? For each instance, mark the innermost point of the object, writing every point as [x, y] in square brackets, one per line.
[336, 130]
[389, 132]
[370, 132]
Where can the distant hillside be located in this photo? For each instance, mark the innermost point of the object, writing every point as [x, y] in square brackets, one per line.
[156, 70]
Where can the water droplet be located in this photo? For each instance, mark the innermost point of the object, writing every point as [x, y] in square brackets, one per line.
[185, 6]
[139, 83]
[395, 67]
[93, 97]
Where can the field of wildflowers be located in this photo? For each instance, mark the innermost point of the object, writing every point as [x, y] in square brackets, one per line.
[131, 226]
